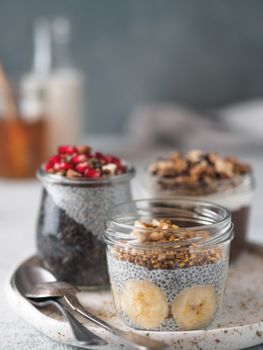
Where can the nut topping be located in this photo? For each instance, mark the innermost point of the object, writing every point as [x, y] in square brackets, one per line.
[197, 172]
[183, 254]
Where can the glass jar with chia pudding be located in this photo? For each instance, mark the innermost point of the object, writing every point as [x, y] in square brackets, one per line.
[168, 262]
[79, 186]
[206, 176]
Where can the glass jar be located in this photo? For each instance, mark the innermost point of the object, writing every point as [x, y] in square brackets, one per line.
[23, 135]
[168, 284]
[22, 147]
[71, 222]
[235, 194]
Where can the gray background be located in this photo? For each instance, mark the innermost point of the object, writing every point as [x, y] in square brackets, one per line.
[203, 53]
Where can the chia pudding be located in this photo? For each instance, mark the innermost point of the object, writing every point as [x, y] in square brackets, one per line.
[79, 186]
[206, 176]
[165, 277]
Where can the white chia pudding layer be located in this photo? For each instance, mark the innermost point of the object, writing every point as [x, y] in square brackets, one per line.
[88, 205]
[171, 282]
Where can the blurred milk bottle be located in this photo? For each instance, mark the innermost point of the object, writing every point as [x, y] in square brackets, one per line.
[33, 85]
[65, 91]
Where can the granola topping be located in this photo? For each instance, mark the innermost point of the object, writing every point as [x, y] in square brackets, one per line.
[197, 172]
[183, 252]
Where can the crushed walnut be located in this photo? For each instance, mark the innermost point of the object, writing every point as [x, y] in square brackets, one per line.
[180, 254]
[198, 172]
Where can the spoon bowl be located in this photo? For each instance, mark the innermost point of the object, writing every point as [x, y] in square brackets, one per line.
[51, 289]
[26, 278]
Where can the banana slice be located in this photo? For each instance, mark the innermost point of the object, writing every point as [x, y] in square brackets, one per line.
[144, 303]
[194, 307]
[116, 297]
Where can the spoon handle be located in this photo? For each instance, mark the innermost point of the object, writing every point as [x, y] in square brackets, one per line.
[81, 333]
[137, 341]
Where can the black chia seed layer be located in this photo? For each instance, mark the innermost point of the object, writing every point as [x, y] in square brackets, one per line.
[70, 251]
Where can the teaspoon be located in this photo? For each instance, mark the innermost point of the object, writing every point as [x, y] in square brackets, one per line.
[27, 277]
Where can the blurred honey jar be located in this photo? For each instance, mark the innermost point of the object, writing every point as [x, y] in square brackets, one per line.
[22, 133]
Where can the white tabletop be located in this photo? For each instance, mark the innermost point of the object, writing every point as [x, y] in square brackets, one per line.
[19, 202]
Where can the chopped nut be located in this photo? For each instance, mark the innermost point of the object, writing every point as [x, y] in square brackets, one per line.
[187, 180]
[177, 256]
[180, 165]
[84, 149]
[156, 236]
[199, 168]
[156, 222]
[72, 173]
[165, 168]
[143, 224]
[109, 169]
[224, 167]
[241, 168]
[139, 236]
[194, 156]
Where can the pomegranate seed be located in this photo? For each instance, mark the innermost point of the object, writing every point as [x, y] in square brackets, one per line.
[78, 161]
[98, 155]
[102, 160]
[114, 160]
[94, 173]
[57, 166]
[65, 166]
[54, 159]
[121, 169]
[48, 166]
[67, 149]
[81, 167]
[79, 158]
[109, 159]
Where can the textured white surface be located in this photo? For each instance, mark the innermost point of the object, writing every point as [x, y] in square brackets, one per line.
[19, 202]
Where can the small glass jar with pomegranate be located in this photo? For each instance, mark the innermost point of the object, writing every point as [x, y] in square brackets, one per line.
[79, 186]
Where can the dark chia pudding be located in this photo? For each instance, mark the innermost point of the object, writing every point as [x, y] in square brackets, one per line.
[165, 277]
[79, 186]
[206, 176]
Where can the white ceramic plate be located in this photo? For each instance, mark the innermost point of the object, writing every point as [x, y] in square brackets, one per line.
[240, 325]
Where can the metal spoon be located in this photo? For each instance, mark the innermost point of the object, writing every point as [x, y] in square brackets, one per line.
[79, 331]
[57, 289]
[26, 278]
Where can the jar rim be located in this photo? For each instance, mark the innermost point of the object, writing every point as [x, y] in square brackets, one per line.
[85, 182]
[114, 227]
